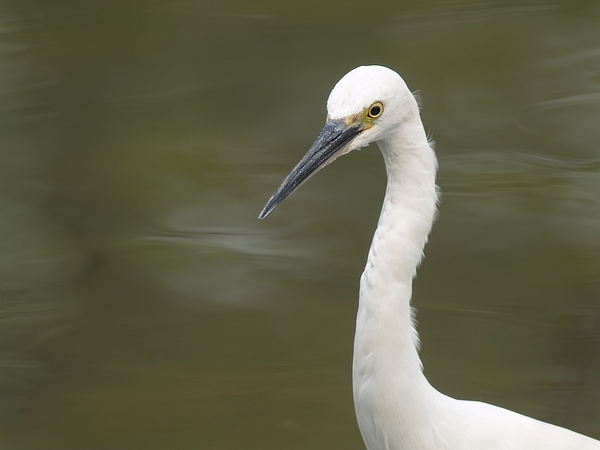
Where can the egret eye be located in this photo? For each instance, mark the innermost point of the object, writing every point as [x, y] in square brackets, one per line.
[375, 110]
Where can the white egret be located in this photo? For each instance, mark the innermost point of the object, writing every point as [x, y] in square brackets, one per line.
[396, 407]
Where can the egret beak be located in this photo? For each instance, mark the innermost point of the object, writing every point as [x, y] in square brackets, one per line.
[332, 141]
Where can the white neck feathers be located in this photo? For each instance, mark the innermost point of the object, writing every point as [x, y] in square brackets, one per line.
[389, 386]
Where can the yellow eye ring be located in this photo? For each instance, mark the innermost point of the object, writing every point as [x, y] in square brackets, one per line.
[375, 110]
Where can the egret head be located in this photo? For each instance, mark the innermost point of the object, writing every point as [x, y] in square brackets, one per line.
[365, 106]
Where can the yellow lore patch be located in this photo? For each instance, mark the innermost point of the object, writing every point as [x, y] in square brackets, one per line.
[367, 117]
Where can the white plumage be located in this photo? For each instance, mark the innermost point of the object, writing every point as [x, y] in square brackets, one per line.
[396, 407]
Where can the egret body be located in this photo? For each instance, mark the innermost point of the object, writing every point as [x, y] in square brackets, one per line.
[396, 407]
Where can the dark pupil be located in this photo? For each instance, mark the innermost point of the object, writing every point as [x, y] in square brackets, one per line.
[375, 110]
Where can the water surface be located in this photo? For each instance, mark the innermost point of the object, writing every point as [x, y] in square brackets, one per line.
[142, 305]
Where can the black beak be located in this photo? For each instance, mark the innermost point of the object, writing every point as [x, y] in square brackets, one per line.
[332, 140]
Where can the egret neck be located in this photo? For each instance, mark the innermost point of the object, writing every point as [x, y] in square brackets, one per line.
[388, 381]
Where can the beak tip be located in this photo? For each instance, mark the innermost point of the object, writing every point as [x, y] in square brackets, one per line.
[264, 213]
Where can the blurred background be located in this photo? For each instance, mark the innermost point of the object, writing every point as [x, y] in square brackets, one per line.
[143, 306]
